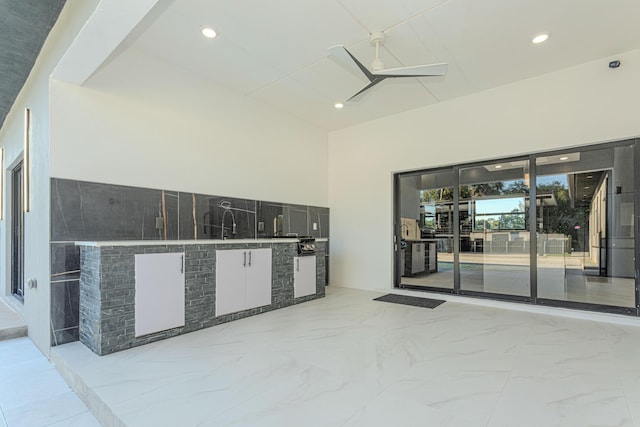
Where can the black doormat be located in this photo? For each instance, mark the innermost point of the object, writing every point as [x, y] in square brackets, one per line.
[407, 300]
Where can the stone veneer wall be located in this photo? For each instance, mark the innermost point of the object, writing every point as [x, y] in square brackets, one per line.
[90, 295]
[107, 290]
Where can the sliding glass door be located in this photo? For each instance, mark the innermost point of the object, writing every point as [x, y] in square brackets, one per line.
[426, 230]
[585, 250]
[555, 228]
[494, 228]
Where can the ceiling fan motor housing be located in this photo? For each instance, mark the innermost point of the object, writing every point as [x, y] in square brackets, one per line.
[377, 38]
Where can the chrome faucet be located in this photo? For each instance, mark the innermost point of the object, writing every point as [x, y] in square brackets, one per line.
[227, 209]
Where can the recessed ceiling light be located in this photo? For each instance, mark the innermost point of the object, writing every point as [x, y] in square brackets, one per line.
[338, 105]
[498, 166]
[586, 188]
[564, 158]
[540, 38]
[209, 32]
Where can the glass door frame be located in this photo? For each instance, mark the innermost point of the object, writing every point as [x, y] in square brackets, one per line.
[532, 267]
[601, 308]
[17, 231]
[397, 228]
[533, 237]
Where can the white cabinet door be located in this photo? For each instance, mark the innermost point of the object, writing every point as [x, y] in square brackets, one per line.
[432, 257]
[230, 281]
[417, 258]
[304, 276]
[159, 287]
[258, 277]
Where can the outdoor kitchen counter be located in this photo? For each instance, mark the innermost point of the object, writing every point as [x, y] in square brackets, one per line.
[109, 321]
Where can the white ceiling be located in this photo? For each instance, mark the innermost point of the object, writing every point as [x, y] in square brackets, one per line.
[276, 51]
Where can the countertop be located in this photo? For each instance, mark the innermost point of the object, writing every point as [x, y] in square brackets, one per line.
[190, 242]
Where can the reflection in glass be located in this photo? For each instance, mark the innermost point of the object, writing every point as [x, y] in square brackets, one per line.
[582, 222]
[426, 228]
[494, 229]
[585, 227]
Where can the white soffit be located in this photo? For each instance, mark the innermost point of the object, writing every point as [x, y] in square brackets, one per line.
[101, 35]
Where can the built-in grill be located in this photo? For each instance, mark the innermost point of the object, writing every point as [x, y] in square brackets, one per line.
[306, 246]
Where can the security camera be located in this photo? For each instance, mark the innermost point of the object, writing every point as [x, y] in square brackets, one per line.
[614, 64]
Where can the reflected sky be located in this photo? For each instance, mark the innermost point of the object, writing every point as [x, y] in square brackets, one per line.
[504, 205]
[550, 179]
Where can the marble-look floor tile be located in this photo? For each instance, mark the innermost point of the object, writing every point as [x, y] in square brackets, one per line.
[203, 394]
[346, 360]
[448, 389]
[29, 381]
[303, 399]
[629, 374]
[32, 392]
[48, 409]
[375, 361]
[575, 400]
[85, 419]
[17, 351]
[389, 409]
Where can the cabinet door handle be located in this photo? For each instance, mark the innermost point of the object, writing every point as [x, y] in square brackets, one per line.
[249, 258]
[181, 264]
[298, 264]
[244, 263]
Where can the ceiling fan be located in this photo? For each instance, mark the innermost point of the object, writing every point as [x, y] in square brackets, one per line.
[343, 57]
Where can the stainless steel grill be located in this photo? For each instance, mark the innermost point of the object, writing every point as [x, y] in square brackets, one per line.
[306, 246]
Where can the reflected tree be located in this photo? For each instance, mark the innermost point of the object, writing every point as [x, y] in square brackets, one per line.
[564, 217]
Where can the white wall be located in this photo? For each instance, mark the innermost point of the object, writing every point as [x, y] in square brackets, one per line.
[142, 122]
[34, 95]
[586, 104]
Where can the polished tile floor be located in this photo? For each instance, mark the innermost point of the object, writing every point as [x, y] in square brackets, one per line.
[32, 392]
[347, 360]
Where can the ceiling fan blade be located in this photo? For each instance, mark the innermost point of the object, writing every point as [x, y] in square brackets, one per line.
[343, 57]
[415, 71]
[362, 92]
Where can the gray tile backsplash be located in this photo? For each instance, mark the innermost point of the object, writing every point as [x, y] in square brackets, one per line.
[90, 211]
[104, 212]
[318, 218]
[296, 219]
